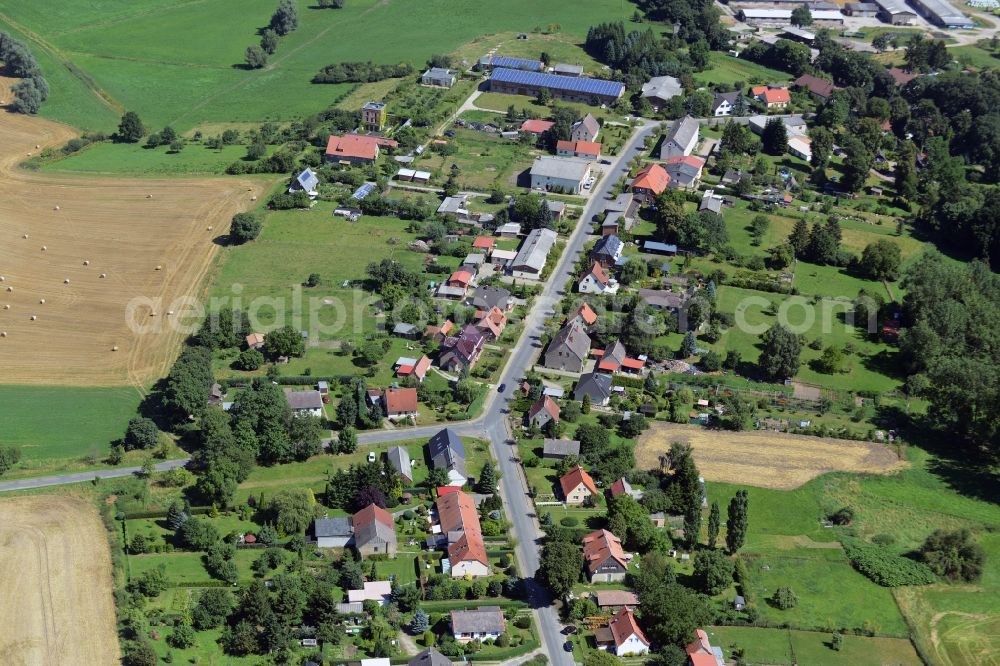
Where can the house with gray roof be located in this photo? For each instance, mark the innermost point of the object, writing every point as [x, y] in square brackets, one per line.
[681, 139]
[663, 299]
[399, 458]
[487, 298]
[479, 623]
[429, 657]
[793, 124]
[305, 402]
[661, 89]
[608, 250]
[455, 208]
[350, 608]
[438, 76]
[564, 174]
[711, 201]
[723, 103]
[586, 129]
[560, 448]
[333, 532]
[447, 452]
[568, 349]
[564, 69]
[532, 255]
[405, 330]
[596, 385]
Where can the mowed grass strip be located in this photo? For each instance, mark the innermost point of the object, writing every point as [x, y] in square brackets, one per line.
[777, 646]
[137, 160]
[48, 422]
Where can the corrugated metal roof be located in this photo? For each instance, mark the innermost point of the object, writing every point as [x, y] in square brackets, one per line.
[577, 84]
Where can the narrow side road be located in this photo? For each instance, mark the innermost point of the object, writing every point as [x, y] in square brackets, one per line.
[81, 477]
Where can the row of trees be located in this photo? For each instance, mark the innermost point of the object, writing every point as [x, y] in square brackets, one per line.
[32, 89]
[361, 72]
[284, 20]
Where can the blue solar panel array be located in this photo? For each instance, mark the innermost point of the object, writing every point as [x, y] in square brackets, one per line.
[363, 191]
[516, 63]
[575, 84]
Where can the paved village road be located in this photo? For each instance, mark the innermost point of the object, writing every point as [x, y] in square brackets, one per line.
[81, 477]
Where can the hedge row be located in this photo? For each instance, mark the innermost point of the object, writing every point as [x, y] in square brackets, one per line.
[629, 382]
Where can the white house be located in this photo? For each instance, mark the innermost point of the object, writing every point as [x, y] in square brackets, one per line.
[597, 281]
[681, 139]
[305, 402]
[379, 591]
[479, 623]
[622, 636]
[559, 174]
[801, 147]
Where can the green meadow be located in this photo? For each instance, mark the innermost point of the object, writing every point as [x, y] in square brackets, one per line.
[787, 545]
[55, 422]
[786, 646]
[267, 274]
[174, 64]
[727, 69]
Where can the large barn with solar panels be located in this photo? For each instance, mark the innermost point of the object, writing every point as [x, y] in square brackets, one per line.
[490, 62]
[567, 88]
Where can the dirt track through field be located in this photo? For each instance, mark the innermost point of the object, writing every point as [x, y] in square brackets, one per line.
[765, 459]
[124, 228]
[56, 603]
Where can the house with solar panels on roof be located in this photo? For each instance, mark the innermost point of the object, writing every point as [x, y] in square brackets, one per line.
[567, 88]
[490, 62]
[307, 181]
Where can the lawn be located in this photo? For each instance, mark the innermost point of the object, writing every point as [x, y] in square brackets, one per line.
[205, 651]
[181, 64]
[484, 160]
[137, 160]
[823, 320]
[265, 277]
[184, 568]
[831, 594]
[855, 233]
[727, 69]
[784, 646]
[975, 56]
[48, 422]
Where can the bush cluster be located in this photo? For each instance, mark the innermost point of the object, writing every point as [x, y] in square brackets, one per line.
[885, 568]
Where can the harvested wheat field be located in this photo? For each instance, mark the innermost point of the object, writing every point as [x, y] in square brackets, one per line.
[77, 250]
[766, 459]
[56, 605]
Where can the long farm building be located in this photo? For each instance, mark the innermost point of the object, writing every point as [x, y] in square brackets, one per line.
[567, 88]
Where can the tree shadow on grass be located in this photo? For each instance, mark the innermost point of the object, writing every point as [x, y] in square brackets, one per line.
[955, 462]
[884, 363]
